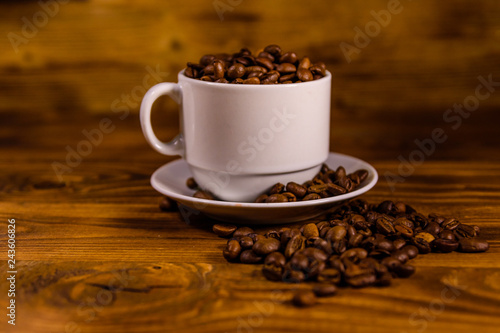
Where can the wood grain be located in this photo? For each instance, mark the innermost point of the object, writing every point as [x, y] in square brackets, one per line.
[96, 254]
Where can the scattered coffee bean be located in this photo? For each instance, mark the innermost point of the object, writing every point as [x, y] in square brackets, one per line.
[224, 230]
[167, 205]
[324, 290]
[304, 298]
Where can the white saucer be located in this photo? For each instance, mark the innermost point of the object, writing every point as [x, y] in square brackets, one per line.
[170, 180]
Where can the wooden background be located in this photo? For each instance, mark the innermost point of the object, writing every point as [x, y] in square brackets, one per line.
[100, 226]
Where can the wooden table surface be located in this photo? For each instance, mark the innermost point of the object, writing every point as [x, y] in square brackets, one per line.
[94, 253]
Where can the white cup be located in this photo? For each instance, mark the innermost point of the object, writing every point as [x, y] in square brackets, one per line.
[240, 139]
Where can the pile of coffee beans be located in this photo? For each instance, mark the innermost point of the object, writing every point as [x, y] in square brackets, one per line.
[268, 66]
[327, 183]
[358, 245]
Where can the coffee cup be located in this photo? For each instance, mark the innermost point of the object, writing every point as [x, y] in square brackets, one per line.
[240, 139]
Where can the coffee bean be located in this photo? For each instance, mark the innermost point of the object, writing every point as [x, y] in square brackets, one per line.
[429, 238]
[447, 234]
[206, 78]
[404, 271]
[324, 290]
[310, 230]
[294, 244]
[465, 231]
[385, 226]
[242, 231]
[274, 50]
[224, 230]
[422, 245]
[277, 188]
[304, 63]
[293, 276]
[471, 245]
[311, 196]
[445, 245]
[266, 246]
[232, 250]
[250, 257]
[200, 194]
[290, 57]
[399, 243]
[304, 298]
[358, 277]
[236, 71]
[246, 242]
[411, 251]
[299, 262]
[252, 80]
[167, 205]
[286, 68]
[336, 233]
[298, 190]
[304, 75]
[276, 198]
[450, 224]
[330, 275]
[261, 198]
[273, 266]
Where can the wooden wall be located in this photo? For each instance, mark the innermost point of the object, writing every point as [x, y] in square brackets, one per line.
[90, 53]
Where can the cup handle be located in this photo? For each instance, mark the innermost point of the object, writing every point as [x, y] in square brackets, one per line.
[174, 147]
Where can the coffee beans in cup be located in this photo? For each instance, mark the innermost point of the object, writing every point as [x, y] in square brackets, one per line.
[270, 65]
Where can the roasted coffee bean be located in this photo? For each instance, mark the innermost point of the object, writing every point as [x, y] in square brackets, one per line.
[255, 236]
[404, 231]
[355, 240]
[358, 277]
[290, 57]
[422, 245]
[242, 231]
[273, 234]
[404, 271]
[385, 226]
[261, 198]
[391, 263]
[236, 71]
[224, 230]
[206, 78]
[447, 234]
[267, 55]
[296, 243]
[336, 233]
[354, 255]
[250, 257]
[200, 194]
[330, 275]
[167, 205]
[304, 298]
[429, 238]
[471, 245]
[252, 80]
[191, 183]
[399, 243]
[310, 230]
[335, 189]
[400, 255]
[286, 68]
[324, 290]
[222, 80]
[323, 245]
[265, 62]
[445, 245]
[266, 246]
[298, 190]
[293, 276]
[305, 75]
[299, 262]
[384, 244]
[277, 188]
[411, 251]
[232, 250]
[433, 228]
[314, 253]
[311, 196]
[286, 77]
[465, 231]
[274, 50]
[276, 198]
[450, 224]
[273, 266]
[246, 242]
[191, 72]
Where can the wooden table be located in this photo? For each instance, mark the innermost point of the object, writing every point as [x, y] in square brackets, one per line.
[94, 253]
